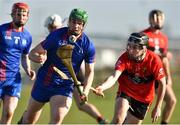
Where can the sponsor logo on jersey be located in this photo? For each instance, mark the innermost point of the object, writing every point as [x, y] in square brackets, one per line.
[24, 42]
[8, 38]
[8, 35]
[62, 42]
[161, 71]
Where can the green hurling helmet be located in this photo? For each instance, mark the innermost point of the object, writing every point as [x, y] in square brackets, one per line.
[79, 14]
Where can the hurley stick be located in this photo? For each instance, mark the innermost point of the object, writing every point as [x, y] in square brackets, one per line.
[65, 54]
[64, 76]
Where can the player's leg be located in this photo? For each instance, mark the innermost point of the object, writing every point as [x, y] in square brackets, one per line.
[9, 106]
[131, 119]
[60, 106]
[120, 110]
[170, 103]
[39, 96]
[1, 100]
[136, 112]
[1, 96]
[90, 109]
[32, 114]
[10, 94]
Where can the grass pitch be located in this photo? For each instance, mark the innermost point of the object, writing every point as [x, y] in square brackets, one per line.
[105, 105]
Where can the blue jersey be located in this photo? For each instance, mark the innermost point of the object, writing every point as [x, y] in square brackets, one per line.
[83, 50]
[12, 45]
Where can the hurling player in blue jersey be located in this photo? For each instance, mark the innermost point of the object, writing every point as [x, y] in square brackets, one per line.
[49, 86]
[55, 22]
[15, 42]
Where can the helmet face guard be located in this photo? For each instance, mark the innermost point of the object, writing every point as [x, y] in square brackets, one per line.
[79, 14]
[136, 46]
[139, 38]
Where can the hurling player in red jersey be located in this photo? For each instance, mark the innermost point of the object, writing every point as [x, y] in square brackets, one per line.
[158, 43]
[136, 71]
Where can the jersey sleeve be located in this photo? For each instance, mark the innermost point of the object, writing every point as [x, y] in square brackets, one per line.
[49, 43]
[90, 55]
[121, 63]
[158, 69]
[28, 45]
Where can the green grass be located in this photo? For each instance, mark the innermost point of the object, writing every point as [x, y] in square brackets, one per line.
[105, 105]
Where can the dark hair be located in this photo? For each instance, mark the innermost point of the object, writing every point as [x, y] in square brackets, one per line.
[155, 12]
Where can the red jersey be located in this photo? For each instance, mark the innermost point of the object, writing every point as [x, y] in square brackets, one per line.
[138, 78]
[157, 42]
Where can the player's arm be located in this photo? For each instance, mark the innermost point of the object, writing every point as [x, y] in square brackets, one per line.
[160, 95]
[25, 62]
[109, 82]
[38, 54]
[166, 65]
[89, 76]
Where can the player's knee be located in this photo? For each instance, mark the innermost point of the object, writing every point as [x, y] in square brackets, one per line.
[172, 101]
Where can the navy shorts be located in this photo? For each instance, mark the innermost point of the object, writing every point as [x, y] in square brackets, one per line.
[11, 87]
[137, 108]
[43, 93]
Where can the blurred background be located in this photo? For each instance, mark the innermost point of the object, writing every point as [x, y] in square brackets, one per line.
[109, 25]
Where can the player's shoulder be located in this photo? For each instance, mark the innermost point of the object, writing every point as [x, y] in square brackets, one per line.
[147, 30]
[4, 26]
[124, 56]
[60, 31]
[26, 32]
[85, 36]
[152, 56]
[26, 35]
[86, 39]
[150, 53]
[163, 34]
